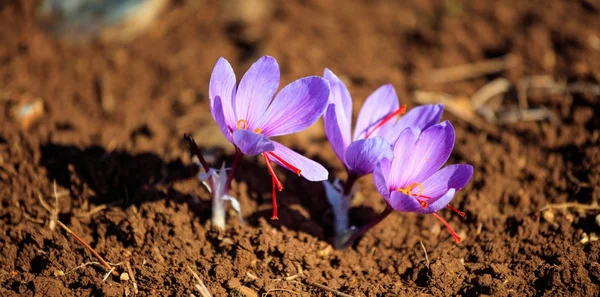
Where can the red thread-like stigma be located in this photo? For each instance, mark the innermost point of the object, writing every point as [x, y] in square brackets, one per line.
[399, 111]
[285, 163]
[275, 183]
[454, 235]
[458, 212]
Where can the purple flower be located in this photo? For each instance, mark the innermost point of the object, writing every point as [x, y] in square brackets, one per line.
[248, 115]
[377, 125]
[412, 180]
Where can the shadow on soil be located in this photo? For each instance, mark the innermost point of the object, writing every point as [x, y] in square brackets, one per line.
[118, 178]
[122, 179]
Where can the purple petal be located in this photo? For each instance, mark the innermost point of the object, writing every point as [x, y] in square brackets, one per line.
[217, 112]
[450, 177]
[309, 169]
[251, 143]
[363, 155]
[429, 154]
[296, 107]
[422, 117]
[442, 185]
[380, 177]
[401, 202]
[340, 96]
[377, 106]
[222, 84]
[440, 203]
[403, 154]
[334, 135]
[256, 90]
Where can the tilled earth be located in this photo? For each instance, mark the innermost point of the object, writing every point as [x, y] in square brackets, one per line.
[106, 145]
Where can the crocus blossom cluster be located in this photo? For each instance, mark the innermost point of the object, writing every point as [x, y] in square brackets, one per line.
[379, 122]
[404, 150]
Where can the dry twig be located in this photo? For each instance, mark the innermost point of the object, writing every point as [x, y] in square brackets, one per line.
[568, 205]
[130, 271]
[280, 290]
[477, 69]
[326, 288]
[424, 250]
[106, 265]
[200, 285]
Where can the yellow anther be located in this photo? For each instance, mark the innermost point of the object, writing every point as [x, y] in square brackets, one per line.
[242, 125]
[409, 188]
[257, 130]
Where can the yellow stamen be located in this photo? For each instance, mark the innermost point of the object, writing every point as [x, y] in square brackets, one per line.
[408, 191]
[257, 130]
[409, 188]
[242, 125]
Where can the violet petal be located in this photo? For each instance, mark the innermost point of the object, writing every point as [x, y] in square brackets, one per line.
[422, 117]
[340, 96]
[380, 177]
[219, 116]
[222, 84]
[403, 154]
[427, 156]
[363, 155]
[251, 143]
[440, 203]
[450, 177]
[296, 107]
[256, 90]
[402, 202]
[309, 169]
[334, 134]
[378, 105]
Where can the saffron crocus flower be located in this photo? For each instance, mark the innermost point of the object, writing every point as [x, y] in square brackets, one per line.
[412, 180]
[377, 128]
[377, 125]
[248, 115]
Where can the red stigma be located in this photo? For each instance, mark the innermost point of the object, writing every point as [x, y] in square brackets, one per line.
[398, 111]
[423, 204]
[274, 200]
[458, 212]
[275, 184]
[454, 235]
[285, 163]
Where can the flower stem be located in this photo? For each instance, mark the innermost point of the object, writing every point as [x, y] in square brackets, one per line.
[195, 150]
[234, 166]
[362, 230]
[352, 178]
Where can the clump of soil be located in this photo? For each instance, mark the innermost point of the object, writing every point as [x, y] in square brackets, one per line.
[109, 136]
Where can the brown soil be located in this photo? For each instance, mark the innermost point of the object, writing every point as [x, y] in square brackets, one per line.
[114, 113]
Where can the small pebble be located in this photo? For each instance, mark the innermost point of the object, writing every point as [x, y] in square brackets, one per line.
[548, 216]
[124, 276]
[58, 273]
